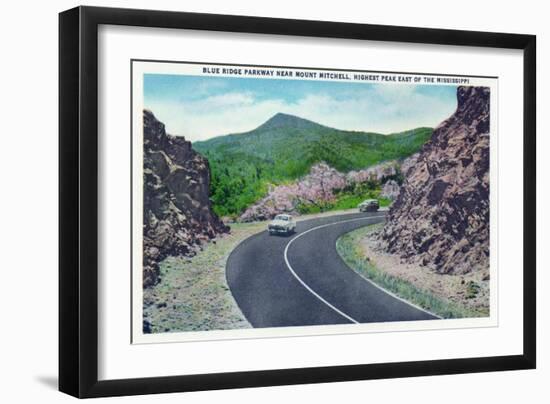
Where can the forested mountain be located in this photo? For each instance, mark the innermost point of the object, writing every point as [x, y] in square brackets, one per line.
[285, 148]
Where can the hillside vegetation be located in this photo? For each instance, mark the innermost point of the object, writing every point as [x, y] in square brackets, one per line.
[285, 148]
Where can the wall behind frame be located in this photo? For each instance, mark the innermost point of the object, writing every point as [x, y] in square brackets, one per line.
[28, 168]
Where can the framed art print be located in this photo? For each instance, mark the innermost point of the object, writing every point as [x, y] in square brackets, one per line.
[249, 201]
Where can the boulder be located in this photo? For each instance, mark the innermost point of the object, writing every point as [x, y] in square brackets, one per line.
[390, 190]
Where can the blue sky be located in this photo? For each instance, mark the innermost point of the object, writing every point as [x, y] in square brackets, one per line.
[199, 107]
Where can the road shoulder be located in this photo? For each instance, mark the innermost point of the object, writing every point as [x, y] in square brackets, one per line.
[448, 296]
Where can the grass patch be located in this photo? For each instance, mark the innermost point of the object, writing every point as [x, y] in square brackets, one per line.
[348, 246]
[472, 290]
[351, 201]
[344, 201]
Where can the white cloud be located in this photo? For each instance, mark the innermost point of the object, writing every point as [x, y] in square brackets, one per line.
[214, 116]
[382, 108]
[229, 100]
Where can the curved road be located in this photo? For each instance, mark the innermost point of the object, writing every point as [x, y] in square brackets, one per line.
[301, 280]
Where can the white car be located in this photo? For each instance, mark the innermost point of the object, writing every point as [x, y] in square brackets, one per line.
[282, 224]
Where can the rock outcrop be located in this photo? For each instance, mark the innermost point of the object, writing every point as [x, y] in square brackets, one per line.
[441, 216]
[378, 173]
[390, 190]
[177, 214]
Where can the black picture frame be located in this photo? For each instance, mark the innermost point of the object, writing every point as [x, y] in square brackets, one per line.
[78, 200]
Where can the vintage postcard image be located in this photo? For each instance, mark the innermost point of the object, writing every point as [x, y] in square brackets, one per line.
[277, 201]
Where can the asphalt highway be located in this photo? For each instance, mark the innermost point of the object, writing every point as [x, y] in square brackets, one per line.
[300, 280]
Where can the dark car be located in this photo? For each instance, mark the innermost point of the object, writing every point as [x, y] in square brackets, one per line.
[369, 205]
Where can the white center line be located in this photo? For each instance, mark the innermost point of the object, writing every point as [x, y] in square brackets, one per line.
[305, 285]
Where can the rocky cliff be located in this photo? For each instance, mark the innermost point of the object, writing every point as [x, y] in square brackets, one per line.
[177, 216]
[441, 216]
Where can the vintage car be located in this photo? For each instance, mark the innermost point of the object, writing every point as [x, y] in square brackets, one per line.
[369, 205]
[282, 224]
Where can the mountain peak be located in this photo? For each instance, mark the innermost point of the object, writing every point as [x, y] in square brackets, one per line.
[281, 120]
